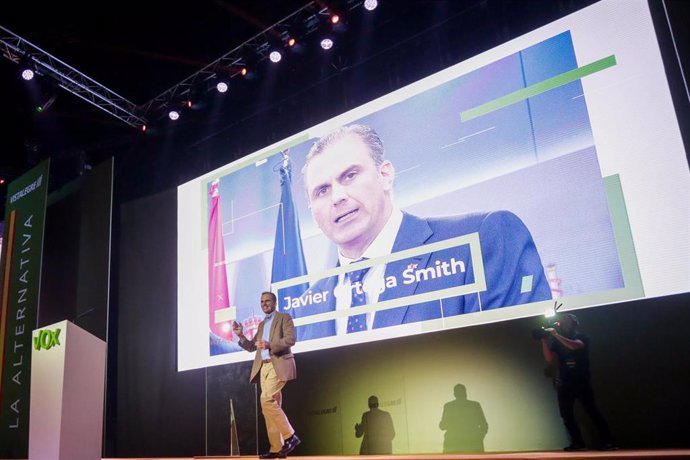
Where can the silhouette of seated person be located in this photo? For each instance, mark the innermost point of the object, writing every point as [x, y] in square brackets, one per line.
[377, 428]
[464, 424]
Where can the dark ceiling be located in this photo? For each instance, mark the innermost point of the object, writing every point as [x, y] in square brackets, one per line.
[136, 49]
[141, 49]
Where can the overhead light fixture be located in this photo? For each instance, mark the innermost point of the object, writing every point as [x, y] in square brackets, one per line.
[326, 43]
[248, 72]
[174, 115]
[26, 68]
[249, 69]
[40, 108]
[251, 57]
[27, 74]
[275, 56]
[293, 40]
[338, 23]
[194, 98]
[222, 87]
[286, 39]
[370, 5]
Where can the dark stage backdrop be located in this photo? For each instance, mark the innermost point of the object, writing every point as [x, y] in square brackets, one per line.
[75, 271]
[640, 367]
[159, 411]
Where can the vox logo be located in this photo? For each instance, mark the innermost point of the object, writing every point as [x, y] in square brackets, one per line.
[47, 339]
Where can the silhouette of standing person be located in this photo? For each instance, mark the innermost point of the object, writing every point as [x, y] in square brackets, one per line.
[377, 428]
[464, 424]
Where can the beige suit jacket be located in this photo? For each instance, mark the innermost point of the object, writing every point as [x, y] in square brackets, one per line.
[281, 338]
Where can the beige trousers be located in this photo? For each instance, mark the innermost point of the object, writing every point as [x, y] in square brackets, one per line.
[277, 424]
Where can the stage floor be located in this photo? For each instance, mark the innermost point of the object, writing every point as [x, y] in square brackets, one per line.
[594, 454]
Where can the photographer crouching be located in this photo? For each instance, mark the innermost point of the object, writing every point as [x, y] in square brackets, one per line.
[565, 342]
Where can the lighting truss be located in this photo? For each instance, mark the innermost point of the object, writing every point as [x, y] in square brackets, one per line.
[15, 48]
[303, 22]
[300, 23]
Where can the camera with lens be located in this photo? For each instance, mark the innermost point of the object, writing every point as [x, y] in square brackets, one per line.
[550, 321]
[541, 332]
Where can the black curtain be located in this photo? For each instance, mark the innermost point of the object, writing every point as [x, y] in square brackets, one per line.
[160, 412]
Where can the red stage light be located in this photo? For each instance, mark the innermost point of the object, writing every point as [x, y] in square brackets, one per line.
[335, 19]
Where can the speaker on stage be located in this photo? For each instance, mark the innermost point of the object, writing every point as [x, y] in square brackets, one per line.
[67, 394]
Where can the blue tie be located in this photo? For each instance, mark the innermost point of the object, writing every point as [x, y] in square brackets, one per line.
[357, 323]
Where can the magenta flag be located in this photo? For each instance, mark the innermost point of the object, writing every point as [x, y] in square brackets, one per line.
[218, 294]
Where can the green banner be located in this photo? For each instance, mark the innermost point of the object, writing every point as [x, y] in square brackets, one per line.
[19, 294]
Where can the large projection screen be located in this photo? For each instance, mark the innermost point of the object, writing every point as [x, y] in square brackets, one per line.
[547, 170]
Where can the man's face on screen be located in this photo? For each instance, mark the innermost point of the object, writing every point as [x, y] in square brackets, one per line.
[349, 195]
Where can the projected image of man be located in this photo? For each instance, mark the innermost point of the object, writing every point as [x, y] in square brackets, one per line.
[349, 185]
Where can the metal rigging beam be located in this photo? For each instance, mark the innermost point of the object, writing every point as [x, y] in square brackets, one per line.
[305, 20]
[16, 48]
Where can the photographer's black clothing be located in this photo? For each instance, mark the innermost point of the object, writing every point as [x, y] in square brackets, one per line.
[572, 384]
[573, 365]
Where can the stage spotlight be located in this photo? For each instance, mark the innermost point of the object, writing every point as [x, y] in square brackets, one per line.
[326, 43]
[40, 108]
[338, 23]
[275, 56]
[26, 68]
[294, 42]
[370, 5]
[249, 67]
[173, 115]
[143, 128]
[27, 74]
[194, 98]
[222, 87]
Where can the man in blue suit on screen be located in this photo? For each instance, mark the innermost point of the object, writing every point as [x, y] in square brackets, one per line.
[349, 184]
